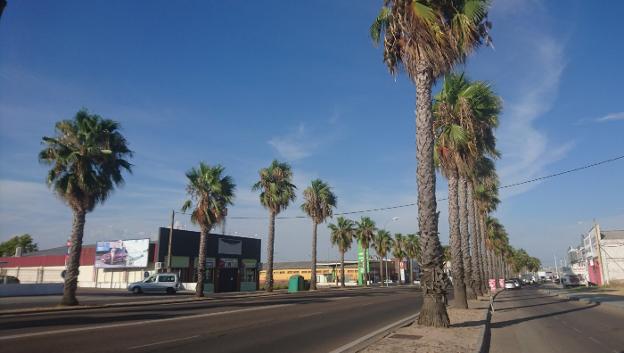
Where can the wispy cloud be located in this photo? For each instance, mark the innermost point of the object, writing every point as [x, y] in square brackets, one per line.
[527, 151]
[302, 141]
[610, 117]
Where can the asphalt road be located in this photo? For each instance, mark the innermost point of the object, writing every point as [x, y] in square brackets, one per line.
[529, 321]
[306, 322]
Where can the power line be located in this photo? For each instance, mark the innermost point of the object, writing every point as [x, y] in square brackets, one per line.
[443, 199]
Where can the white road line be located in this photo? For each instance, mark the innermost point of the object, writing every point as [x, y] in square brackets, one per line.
[136, 323]
[577, 330]
[163, 342]
[595, 340]
[310, 314]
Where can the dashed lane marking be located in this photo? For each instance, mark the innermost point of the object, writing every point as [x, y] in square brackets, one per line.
[164, 342]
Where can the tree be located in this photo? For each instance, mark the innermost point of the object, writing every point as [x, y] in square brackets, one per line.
[210, 194]
[24, 241]
[466, 112]
[342, 236]
[382, 242]
[319, 204]
[276, 192]
[364, 232]
[412, 251]
[427, 38]
[87, 158]
[398, 248]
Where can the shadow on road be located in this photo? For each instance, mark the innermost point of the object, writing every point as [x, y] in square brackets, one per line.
[516, 321]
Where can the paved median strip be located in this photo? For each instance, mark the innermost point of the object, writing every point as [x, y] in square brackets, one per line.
[135, 323]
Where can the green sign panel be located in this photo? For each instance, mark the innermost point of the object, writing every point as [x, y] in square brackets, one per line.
[363, 263]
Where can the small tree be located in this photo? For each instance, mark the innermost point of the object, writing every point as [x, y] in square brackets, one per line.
[24, 241]
[382, 242]
[364, 232]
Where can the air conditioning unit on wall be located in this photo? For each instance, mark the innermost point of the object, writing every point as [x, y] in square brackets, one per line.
[158, 265]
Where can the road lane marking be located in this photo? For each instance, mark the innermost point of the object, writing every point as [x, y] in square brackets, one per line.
[136, 323]
[577, 330]
[310, 314]
[164, 342]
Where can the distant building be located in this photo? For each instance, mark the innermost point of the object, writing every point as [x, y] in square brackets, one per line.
[604, 254]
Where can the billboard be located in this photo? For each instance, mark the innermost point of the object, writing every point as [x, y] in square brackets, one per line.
[122, 253]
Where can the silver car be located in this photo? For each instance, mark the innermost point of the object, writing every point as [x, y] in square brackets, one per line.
[157, 283]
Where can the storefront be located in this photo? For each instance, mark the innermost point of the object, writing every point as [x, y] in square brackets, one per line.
[231, 262]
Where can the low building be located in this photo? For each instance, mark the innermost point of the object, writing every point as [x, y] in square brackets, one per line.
[231, 262]
[604, 254]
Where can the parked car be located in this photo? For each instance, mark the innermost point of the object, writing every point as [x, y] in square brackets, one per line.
[517, 282]
[509, 284]
[158, 283]
[9, 280]
[570, 281]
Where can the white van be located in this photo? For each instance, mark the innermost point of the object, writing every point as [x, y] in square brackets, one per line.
[156, 283]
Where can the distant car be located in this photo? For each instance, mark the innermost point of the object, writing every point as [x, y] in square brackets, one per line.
[509, 284]
[9, 280]
[517, 282]
[158, 283]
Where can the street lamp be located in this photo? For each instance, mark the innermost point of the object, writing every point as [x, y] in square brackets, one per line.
[393, 219]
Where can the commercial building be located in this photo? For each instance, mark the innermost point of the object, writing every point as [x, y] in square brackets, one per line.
[604, 254]
[232, 262]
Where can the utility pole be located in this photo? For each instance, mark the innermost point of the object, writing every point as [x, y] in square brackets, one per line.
[557, 268]
[170, 238]
[603, 278]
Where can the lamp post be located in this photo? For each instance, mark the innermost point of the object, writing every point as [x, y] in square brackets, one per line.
[393, 219]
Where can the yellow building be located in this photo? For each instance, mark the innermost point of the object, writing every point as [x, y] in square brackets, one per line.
[326, 272]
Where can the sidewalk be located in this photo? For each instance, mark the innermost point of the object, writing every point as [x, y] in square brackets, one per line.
[466, 334]
[612, 297]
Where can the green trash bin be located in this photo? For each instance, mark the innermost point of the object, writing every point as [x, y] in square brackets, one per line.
[295, 283]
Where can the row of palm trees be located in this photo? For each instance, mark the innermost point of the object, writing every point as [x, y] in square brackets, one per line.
[344, 231]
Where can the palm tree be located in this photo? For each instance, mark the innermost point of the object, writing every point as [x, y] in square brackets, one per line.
[364, 232]
[412, 250]
[465, 114]
[427, 38]
[276, 192]
[319, 204]
[87, 157]
[398, 249]
[342, 236]
[210, 193]
[382, 242]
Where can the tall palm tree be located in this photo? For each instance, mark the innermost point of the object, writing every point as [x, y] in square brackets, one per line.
[427, 38]
[319, 204]
[210, 193]
[382, 242]
[276, 192]
[412, 251]
[465, 115]
[364, 232]
[87, 157]
[342, 234]
[398, 249]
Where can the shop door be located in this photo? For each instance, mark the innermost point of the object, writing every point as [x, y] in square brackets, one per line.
[227, 279]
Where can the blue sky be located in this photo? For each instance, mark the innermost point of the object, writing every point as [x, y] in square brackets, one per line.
[240, 83]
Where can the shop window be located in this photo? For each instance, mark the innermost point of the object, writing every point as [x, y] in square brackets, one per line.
[249, 274]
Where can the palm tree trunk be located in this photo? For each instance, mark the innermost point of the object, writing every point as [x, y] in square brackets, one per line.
[73, 263]
[483, 259]
[268, 285]
[457, 263]
[313, 269]
[342, 272]
[465, 239]
[474, 242]
[201, 262]
[411, 273]
[433, 311]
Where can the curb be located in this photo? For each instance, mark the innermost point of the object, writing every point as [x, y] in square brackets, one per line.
[486, 333]
[369, 339]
